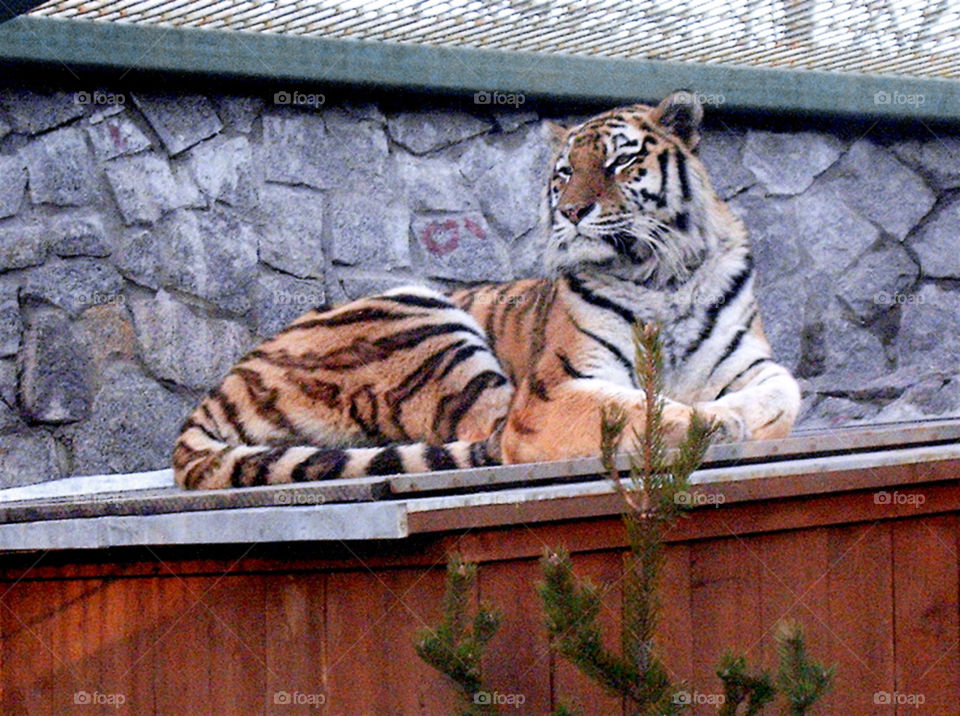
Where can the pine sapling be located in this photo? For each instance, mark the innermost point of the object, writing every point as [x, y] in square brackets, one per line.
[739, 686]
[455, 647]
[802, 681]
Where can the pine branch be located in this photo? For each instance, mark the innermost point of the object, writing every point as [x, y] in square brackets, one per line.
[803, 682]
[739, 685]
[456, 650]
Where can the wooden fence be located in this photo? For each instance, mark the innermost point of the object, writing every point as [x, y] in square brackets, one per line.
[865, 557]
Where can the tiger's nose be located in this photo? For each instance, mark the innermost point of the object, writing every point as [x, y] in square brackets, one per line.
[575, 212]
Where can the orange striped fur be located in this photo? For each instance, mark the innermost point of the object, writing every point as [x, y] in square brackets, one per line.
[414, 380]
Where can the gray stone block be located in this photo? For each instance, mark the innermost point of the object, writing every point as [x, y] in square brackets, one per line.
[139, 259]
[9, 418]
[937, 159]
[834, 412]
[929, 339]
[459, 247]
[105, 333]
[239, 113]
[27, 458]
[433, 184]
[32, 112]
[78, 235]
[509, 175]
[781, 311]
[13, 183]
[185, 348]
[10, 324]
[5, 128]
[116, 136]
[54, 386]
[428, 131]
[145, 188]
[368, 229]
[75, 284]
[132, 425]
[291, 239]
[787, 163]
[61, 168]
[830, 230]
[224, 171]
[8, 381]
[511, 121]
[721, 153]
[876, 281]
[194, 257]
[879, 187]
[936, 395]
[22, 244]
[936, 241]
[772, 225]
[179, 120]
[281, 299]
[838, 355]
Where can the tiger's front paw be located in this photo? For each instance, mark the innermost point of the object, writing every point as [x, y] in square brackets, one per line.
[731, 427]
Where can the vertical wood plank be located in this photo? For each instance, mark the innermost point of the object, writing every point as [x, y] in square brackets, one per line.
[518, 662]
[372, 620]
[27, 613]
[295, 643]
[76, 644]
[725, 609]
[926, 612]
[236, 639]
[181, 654]
[570, 687]
[860, 589]
[675, 631]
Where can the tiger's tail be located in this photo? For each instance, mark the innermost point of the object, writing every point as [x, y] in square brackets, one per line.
[202, 460]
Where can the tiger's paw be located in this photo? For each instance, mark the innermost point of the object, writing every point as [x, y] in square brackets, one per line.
[731, 427]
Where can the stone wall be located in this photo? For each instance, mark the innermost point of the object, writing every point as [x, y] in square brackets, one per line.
[147, 241]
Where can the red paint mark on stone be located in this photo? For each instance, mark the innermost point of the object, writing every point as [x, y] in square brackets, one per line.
[116, 136]
[474, 228]
[448, 227]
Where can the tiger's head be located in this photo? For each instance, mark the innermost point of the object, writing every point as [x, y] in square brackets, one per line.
[629, 196]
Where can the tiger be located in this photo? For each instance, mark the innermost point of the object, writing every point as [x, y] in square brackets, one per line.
[417, 380]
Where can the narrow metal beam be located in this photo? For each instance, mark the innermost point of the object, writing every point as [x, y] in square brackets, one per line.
[283, 60]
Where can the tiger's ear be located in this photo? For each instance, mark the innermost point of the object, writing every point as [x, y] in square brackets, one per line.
[557, 132]
[681, 114]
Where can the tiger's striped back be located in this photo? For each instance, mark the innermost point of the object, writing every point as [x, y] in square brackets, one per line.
[414, 380]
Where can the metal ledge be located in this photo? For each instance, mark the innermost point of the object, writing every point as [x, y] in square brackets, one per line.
[66, 48]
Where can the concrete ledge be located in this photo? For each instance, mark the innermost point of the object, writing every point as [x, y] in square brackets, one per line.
[66, 47]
